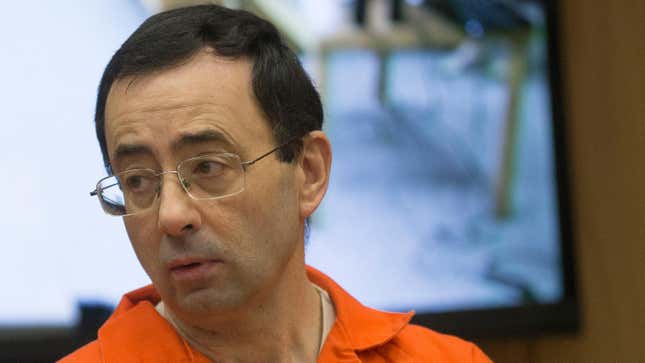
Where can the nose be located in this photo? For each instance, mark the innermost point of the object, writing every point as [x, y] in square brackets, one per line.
[177, 213]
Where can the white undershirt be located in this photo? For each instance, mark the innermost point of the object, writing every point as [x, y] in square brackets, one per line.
[328, 314]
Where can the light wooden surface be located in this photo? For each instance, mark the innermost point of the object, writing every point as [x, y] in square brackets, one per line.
[603, 49]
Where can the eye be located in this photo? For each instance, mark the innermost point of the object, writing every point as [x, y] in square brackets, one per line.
[133, 182]
[208, 168]
[138, 183]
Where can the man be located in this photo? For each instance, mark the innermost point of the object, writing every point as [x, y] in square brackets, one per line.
[211, 132]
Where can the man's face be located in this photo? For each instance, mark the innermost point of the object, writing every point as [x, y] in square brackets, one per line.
[205, 255]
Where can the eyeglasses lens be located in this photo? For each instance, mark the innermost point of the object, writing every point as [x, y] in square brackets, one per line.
[204, 177]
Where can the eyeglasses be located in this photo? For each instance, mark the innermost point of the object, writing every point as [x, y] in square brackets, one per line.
[210, 176]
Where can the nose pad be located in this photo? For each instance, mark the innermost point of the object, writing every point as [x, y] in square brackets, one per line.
[185, 183]
[158, 189]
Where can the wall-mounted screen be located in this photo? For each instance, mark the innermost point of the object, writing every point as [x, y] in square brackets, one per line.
[448, 192]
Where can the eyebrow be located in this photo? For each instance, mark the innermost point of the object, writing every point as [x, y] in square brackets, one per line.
[187, 139]
[201, 137]
[125, 150]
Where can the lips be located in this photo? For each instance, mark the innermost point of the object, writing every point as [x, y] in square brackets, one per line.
[191, 268]
[181, 263]
[187, 266]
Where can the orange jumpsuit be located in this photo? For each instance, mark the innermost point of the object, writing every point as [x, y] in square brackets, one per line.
[137, 333]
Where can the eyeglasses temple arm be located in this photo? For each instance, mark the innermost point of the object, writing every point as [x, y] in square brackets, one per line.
[246, 164]
[96, 191]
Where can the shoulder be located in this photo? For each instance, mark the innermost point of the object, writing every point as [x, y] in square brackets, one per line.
[88, 353]
[134, 307]
[420, 344]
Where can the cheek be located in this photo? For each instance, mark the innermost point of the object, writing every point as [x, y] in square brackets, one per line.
[272, 212]
[144, 239]
[273, 196]
[222, 217]
[248, 223]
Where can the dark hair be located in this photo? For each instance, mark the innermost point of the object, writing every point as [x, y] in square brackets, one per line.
[283, 90]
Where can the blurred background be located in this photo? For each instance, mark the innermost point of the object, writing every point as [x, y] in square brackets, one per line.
[443, 187]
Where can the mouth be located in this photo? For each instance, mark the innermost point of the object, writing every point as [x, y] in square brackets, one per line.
[192, 269]
[186, 266]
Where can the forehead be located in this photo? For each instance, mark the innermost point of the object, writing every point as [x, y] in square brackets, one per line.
[206, 93]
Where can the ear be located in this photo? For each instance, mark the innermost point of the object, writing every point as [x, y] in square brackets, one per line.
[314, 168]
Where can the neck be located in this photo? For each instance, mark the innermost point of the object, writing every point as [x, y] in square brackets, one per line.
[285, 326]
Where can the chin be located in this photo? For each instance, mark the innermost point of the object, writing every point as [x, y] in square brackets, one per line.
[208, 301]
